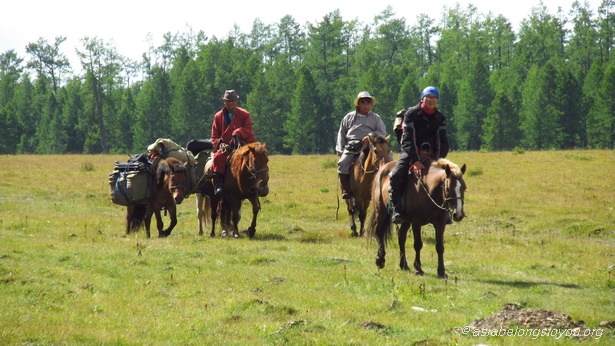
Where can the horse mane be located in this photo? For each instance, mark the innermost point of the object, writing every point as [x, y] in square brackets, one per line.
[167, 166]
[442, 163]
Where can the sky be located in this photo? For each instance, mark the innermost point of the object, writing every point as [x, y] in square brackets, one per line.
[126, 24]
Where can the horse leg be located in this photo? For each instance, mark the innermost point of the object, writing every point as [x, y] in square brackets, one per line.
[418, 245]
[350, 206]
[172, 210]
[382, 227]
[440, 250]
[159, 223]
[255, 208]
[129, 213]
[362, 216]
[200, 212]
[214, 215]
[235, 217]
[401, 237]
[148, 220]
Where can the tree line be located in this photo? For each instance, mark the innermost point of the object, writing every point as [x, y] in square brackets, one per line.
[551, 85]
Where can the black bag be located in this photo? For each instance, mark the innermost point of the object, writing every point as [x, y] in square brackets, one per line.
[354, 146]
[130, 181]
[195, 146]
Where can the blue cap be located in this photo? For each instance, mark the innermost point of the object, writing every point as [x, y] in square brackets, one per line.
[430, 90]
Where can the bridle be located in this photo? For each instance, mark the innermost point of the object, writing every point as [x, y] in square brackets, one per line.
[255, 172]
[254, 175]
[446, 187]
[180, 186]
[377, 166]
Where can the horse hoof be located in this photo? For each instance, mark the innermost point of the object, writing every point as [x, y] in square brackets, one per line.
[420, 273]
[354, 234]
[380, 263]
[235, 235]
[442, 276]
[251, 233]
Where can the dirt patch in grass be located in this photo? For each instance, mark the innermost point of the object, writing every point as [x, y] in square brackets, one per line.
[515, 319]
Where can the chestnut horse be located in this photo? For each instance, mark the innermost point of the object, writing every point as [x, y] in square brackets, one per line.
[375, 151]
[170, 184]
[247, 177]
[432, 199]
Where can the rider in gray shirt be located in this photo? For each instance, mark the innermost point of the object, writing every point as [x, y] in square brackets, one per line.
[353, 127]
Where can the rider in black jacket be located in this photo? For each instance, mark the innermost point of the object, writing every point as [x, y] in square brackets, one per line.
[424, 136]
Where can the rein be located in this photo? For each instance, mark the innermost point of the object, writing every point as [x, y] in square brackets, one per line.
[441, 207]
[254, 173]
[376, 169]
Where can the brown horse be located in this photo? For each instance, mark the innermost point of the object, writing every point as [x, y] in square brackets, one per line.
[247, 177]
[375, 151]
[438, 194]
[170, 184]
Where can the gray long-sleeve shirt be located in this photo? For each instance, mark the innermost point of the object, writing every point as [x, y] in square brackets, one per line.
[355, 126]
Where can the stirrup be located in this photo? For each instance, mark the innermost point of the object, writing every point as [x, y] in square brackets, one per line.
[218, 190]
[398, 218]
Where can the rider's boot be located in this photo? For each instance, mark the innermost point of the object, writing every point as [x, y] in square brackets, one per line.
[345, 184]
[396, 195]
[218, 184]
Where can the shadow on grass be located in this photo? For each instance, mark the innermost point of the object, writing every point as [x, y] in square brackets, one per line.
[268, 236]
[527, 284]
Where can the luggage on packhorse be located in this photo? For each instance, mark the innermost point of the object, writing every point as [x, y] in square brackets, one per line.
[130, 181]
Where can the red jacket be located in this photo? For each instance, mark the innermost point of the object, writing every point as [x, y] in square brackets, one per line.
[241, 125]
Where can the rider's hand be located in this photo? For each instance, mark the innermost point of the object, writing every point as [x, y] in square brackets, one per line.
[223, 147]
[418, 168]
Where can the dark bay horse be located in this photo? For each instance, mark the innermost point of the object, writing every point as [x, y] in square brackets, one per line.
[438, 194]
[375, 151]
[170, 184]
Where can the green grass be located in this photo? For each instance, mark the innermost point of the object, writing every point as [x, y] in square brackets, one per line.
[540, 233]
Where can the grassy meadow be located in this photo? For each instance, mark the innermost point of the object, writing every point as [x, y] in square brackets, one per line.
[540, 234]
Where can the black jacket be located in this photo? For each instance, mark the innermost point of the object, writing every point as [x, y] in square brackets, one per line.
[421, 128]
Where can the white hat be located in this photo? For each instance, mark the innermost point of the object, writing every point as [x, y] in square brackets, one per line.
[364, 95]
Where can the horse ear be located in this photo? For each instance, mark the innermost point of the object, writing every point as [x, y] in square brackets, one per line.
[160, 174]
[388, 138]
[463, 169]
[447, 169]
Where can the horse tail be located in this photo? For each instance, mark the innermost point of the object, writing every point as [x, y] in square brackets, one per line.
[379, 220]
[135, 218]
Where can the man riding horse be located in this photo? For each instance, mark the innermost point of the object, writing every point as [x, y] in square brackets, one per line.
[424, 136]
[353, 127]
[231, 124]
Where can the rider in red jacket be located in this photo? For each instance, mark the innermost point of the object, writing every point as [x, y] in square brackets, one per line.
[229, 123]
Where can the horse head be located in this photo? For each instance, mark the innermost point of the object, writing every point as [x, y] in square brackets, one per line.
[380, 147]
[260, 169]
[251, 170]
[454, 190]
[172, 175]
